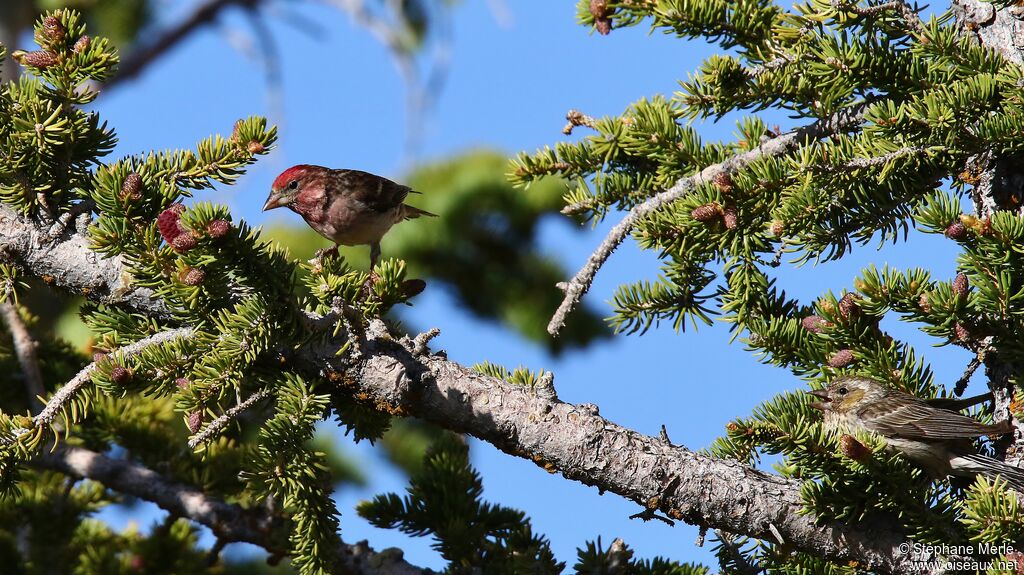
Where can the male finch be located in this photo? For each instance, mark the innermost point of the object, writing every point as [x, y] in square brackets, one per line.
[348, 207]
[938, 439]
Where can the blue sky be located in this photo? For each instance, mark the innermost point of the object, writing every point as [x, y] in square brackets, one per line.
[509, 88]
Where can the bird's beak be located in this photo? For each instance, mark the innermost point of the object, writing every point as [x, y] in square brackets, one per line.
[274, 201]
[820, 405]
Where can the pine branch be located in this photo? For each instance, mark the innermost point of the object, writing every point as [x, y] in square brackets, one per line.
[221, 422]
[580, 284]
[560, 436]
[25, 349]
[230, 523]
[65, 393]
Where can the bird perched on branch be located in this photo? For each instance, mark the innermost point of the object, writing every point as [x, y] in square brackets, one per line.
[938, 439]
[348, 207]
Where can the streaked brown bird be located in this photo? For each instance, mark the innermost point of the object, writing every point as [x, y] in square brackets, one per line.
[348, 207]
[938, 439]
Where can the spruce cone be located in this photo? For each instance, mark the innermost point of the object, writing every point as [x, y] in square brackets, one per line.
[707, 212]
[961, 285]
[854, 449]
[841, 358]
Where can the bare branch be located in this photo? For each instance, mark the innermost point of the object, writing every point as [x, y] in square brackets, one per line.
[230, 523]
[140, 59]
[580, 284]
[221, 422]
[25, 350]
[585, 447]
[65, 393]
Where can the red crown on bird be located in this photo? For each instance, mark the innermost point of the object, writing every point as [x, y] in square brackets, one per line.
[292, 173]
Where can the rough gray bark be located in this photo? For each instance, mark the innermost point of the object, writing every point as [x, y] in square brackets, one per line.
[65, 261]
[229, 522]
[1000, 187]
[574, 440]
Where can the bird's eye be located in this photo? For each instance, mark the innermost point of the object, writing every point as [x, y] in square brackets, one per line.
[293, 185]
[843, 390]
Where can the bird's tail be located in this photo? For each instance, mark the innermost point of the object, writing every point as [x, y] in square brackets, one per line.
[990, 468]
[412, 212]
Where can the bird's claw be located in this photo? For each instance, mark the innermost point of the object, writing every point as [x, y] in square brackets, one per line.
[322, 254]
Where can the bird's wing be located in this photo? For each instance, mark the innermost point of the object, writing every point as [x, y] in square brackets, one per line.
[378, 193]
[908, 417]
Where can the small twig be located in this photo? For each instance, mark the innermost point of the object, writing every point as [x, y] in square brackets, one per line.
[663, 435]
[648, 514]
[67, 218]
[221, 422]
[545, 386]
[783, 144]
[64, 394]
[961, 384]
[576, 118]
[701, 536]
[907, 14]
[875, 161]
[421, 342]
[25, 349]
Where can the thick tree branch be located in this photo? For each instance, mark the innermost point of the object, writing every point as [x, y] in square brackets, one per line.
[230, 523]
[580, 284]
[560, 436]
[66, 262]
[587, 448]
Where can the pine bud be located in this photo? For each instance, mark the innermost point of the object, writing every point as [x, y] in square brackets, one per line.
[961, 285]
[195, 421]
[723, 181]
[235, 130]
[183, 383]
[599, 10]
[255, 147]
[131, 188]
[53, 30]
[926, 306]
[961, 332]
[218, 228]
[841, 358]
[98, 357]
[778, 228]
[848, 306]
[192, 276]
[167, 222]
[707, 212]
[41, 59]
[184, 242]
[120, 375]
[956, 231]
[730, 219]
[854, 449]
[81, 45]
[814, 323]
